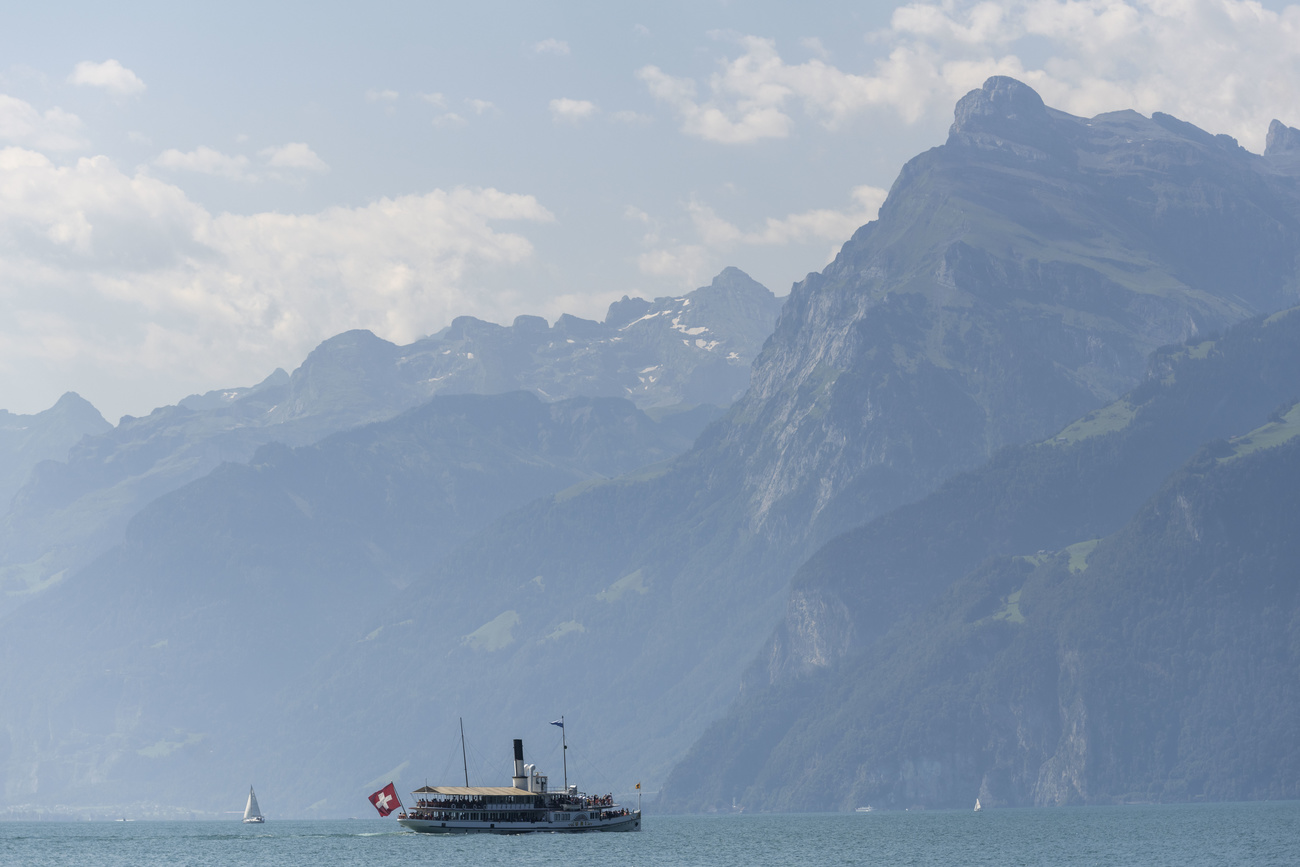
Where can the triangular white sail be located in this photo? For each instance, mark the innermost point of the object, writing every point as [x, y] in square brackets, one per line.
[977, 805]
[251, 811]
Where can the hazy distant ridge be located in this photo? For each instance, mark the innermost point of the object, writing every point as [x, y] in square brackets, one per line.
[670, 354]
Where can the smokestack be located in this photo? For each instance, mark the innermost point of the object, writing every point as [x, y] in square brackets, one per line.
[520, 781]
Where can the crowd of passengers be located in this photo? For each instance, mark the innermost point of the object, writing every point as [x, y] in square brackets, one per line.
[478, 804]
[584, 801]
[430, 809]
[431, 814]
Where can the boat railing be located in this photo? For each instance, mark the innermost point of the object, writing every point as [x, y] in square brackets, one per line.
[428, 803]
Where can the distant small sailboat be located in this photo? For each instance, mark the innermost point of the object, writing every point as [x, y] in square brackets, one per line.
[252, 815]
[977, 805]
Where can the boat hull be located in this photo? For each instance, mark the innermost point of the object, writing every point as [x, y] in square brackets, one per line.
[630, 822]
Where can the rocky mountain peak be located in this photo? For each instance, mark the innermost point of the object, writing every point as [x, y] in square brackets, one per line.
[626, 311]
[1005, 111]
[1281, 139]
[732, 279]
[73, 406]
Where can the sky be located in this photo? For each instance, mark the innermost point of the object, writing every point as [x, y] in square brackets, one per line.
[192, 195]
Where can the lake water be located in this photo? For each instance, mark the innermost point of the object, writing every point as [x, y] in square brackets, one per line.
[1210, 835]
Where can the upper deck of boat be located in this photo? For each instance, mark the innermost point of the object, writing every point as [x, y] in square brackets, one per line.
[476, 791]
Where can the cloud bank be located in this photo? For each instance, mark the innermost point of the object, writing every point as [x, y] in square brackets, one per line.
[572, 110]
[53, 129]
[125, 273]
[1225, 65]
[109, 75]
[691, 262]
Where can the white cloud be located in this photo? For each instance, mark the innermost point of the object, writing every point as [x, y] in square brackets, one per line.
[434, 99]
[110, 75]
[747, 120]
[124, 276]
[572, 110]
[716, 238]
[295, 155]
[451, 120]
[1225, 65]
[480, 105]
[209, 161]
[688, 264]
[650, 237]
[814, 45]
[206, 161]
[552, 46]
[373, 95]
[822, 224]
[631, 117]
[52, 130]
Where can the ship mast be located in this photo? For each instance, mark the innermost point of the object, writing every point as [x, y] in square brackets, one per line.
[463, 761]
[564, 754]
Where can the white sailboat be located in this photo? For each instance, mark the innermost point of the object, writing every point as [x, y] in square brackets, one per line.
[977, 805]
[252, 815]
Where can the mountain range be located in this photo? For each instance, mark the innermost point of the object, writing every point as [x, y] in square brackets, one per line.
[318, 611]
[683, 358]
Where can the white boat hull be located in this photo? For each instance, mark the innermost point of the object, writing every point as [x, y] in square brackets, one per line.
[556, 824]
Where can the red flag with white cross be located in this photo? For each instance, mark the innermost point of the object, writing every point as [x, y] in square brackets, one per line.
[385, 800]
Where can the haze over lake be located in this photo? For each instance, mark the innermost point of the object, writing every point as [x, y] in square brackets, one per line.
[889, 406]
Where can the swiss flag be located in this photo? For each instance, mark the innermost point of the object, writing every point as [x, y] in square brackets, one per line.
[385, 800]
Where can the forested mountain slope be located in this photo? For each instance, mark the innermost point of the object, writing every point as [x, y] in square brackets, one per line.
[869, 619]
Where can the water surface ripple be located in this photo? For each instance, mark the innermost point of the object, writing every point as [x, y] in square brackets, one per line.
[1209, 835]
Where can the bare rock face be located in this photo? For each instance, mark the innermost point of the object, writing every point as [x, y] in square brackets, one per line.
[1024, 631]
[1018, 274]
[1005, 113]
[1281, 139]
[1019, 277]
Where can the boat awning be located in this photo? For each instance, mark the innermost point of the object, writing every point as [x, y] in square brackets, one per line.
[472, 791]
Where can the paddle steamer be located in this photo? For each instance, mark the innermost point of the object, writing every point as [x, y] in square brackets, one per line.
[526, 806]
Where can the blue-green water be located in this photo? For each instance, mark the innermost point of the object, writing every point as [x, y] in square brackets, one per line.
[1210, 835]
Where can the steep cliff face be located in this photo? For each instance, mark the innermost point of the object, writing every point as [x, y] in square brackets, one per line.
[1078, 621]
[1084, 481]
[1018, 276]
